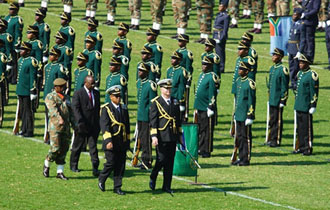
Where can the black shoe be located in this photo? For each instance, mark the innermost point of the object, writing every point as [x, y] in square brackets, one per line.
[273, 144]
[135, 27]
[101, 186]
[61, 176]
[253, 30]
[20, 133]
[96, 172]
[247, 17]
[297, 151]
[75, 169]
[306, 153]
[175, 36]
[242, 17]
[109, 23]
[244, 163]
[27, 135]
[168, 190]
[119, 192]
[152, 184]
[233, 26]
[84, 18]
[206, 155]
[258, 31]
[45, 172]
[235, 163]
[200, 41]
[21, 4]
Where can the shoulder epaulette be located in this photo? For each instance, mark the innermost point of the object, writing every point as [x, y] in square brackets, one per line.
[315, 76]
[159, 47]
[98, 55]
[215, 77]
[104, 105]
[20, 20]
[190, 55]
[9, 38]
[68, 51]
[124, 60]
[3, 58]
[46, 28]
[216, 59]
[154, 99]
[34, 62]
[129, 44]
[286, 70]
[153, 85]
[252, 84]
[71, 31]
[123, 80]
[39, 44]
[99, 36]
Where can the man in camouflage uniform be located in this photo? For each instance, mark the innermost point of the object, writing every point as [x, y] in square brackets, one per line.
[146, 91]
[156, 9]
[52, 71]
[26, 90]
[205, 106]
[135, 9]
[94, 59]
[258, 6]
[111, 7]
[15, 28]
[278, 86]
[82, 71]
[116, 78]
[67, 5]
[92, 31]
[282, 7]
[117, 52]
[67, 30]
[157, 51]
[305, 105]
[180, 14]
[234, 11]
[204, 18]
[146, 54]
[209, 47]
[123, 29]
[3, 63]
[91, 7]
[323, 15]
[44, 32]
[60, 118]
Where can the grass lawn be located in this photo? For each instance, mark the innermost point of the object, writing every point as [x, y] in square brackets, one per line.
[275, 179]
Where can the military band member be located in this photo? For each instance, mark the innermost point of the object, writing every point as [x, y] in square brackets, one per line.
[94, 59]
[187, 55]
[245, 98]
[146, 91]
[82, 71]
[123, 29]
[116, 78]
[91, 7]
[3, 63]
[205, 106]
[247, 39]
[117, 52]
[114, 122]
[92, 31]
[146, 55]
[278, 94]
[204, 18]
[15, 28]
[305, 105]
[166, 132]
[44, 32]
[209, 47]
[26, 90]
[157, 51]
[220, 33]
[37, 46]
[52, 71]
[178, 76]
[67, 30]
[60, 118]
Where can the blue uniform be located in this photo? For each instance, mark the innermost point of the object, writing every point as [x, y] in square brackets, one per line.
[220, 34]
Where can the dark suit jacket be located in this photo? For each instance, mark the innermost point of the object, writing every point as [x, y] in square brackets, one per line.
[107, 126]
[86, 115]
[311, 9]
[168, 134]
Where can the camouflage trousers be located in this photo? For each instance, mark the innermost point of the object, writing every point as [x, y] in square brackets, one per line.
[180, 10]
[295, 4]
[68, 2]
[247, 4]
[59, 146]
[156, 9]
[111, 6]
[135, 8]
[234, 7]
[91, 5]
[205, 15]
[323, 13]
[278, 7]
[258, 8]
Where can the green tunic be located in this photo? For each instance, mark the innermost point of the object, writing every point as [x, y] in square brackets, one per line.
[44, 35]
[26, 76]
[8, 40]
[278, 84]
[94, 63]
[15, 28]
[245, 94]
[153, 73]
[127, 46]
[307, 90]
[216, 60]
[116, 78]
[80, 75]
[36, 51]
[3, 63]
[66, 56]
[206, 91]
[187, 59]
[179, 76]
[124, 65]
[53, 71]
[69, 31]
[157, 54]
[99, 39]
[146, 91]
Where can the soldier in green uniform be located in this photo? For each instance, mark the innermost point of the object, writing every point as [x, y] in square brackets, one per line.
[44, 32]
[37, 46]
[305, 105]
[60, 118]
[278, 94]
[117, 52]
[67, 30]
[52, 71]
[116, 78]
[123, 29]
[245, 97]
[26, 90]
[92, 31]
[204, 18]
[91, 7]
[178, 76]
[94, 59]
[209, 52]
[146, 91]
[247, 39]
[205, 106]
[146, 54]
[15, 28]
[187, 55]
[82, 71]
[3, 63]
[157, 51]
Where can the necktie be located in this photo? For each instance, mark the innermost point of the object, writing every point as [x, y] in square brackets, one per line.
[90, 97]
[168, 101]
[118, 109]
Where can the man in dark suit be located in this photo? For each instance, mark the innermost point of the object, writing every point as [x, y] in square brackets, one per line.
[166, 132]
[86, 109]
[114, 122]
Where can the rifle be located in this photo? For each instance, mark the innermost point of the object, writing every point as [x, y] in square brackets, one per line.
[17, 119]
[186, 112]
[267, 124]
[134, 156]
[232, 130]
[137, 147]
[1, 105]
[295, 139]
[234, 155]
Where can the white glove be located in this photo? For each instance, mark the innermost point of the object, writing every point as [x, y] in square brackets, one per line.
[157, 80]
[218, 91]
[217, 41]
[17, 50]
[297, 55]
[312, 110]
[44, 59]
[302, 15]
[182, 108]
[96, 88]
[154, 141]
[282, 105]
[210, 113]
[187, 86]
[9, 67]
[32, 97]
[248, 122]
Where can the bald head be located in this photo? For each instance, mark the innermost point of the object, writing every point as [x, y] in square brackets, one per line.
[89, 82]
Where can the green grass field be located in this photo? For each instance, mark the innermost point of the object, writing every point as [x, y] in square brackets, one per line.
[275, 179]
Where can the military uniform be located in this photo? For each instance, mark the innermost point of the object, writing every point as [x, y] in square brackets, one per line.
[94, 64]
[154, 73]
[213, 55]
[3, 63]
[114, 122]
[37, 45]
[44, 33]
[278, 94]
[252, 73]
[157, 55]
[91, 7]
[111, 7]
[96, 34]
[80, 73]
[323, 15]
[258, 6]
[66, 56]
[180, 14]
[156, 9]
[68, 31]
[205, 16]
[135, 9]
[116, 78]
[127, 49]
[179, 76]
[187, 60]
